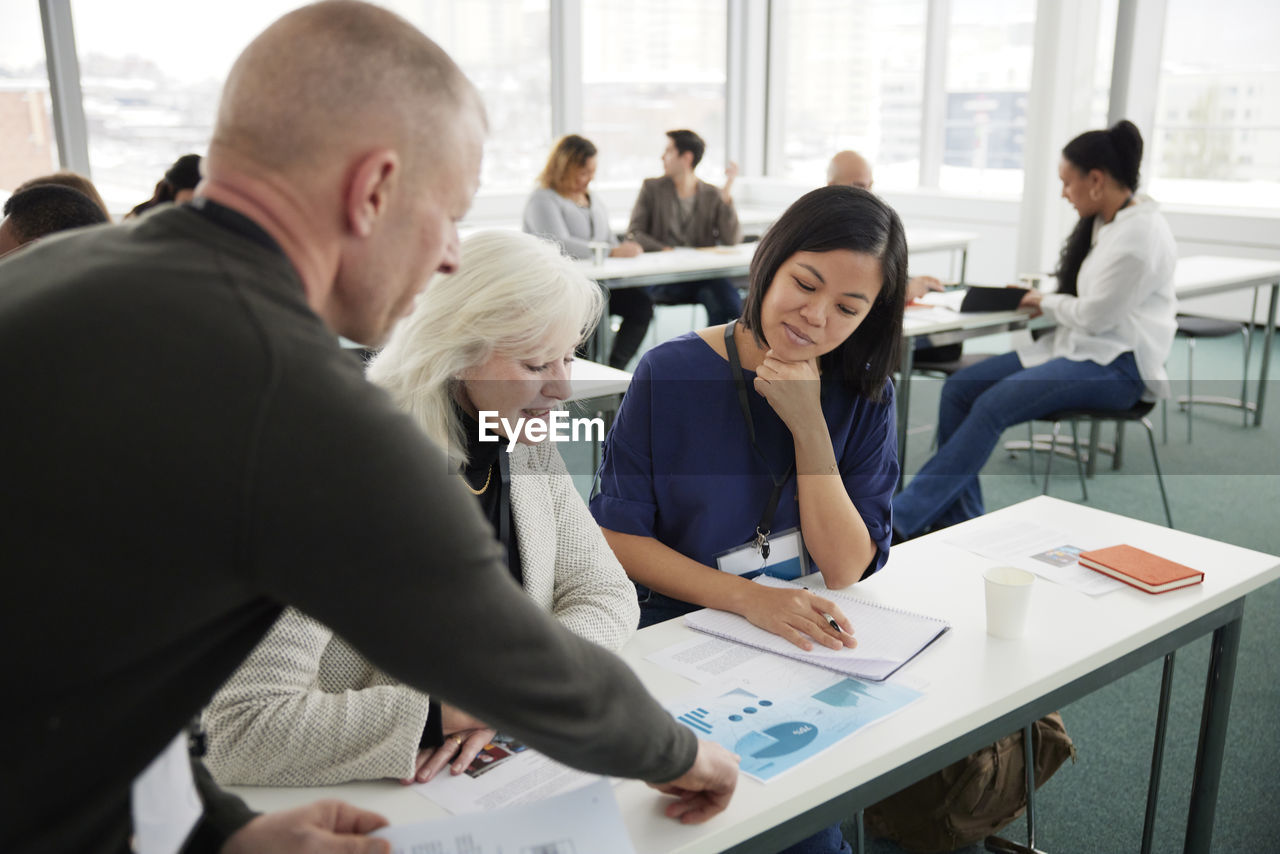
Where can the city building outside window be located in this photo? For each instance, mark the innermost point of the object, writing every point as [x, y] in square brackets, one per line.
[28, 146]
[1217, 139]
[647, 68]
[151, 79]
[853, 78]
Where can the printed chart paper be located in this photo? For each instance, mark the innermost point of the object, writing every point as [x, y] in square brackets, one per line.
[785, 712]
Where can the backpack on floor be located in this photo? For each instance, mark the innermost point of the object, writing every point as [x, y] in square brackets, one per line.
[971, 799]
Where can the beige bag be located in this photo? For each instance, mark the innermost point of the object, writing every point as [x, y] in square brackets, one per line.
[971, 799]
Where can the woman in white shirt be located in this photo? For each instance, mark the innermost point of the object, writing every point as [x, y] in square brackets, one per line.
[498, 336]
[562, 209]
[1114, 309]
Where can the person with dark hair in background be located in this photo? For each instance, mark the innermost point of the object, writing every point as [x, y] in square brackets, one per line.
[562, 209]
[75, 181]
[679, 209]
[193, 451]
[1114, 308]
[178, 185]
[781, 420]
[41, 210]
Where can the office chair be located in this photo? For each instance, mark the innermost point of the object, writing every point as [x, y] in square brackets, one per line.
[1191, 327]
[1137, 413]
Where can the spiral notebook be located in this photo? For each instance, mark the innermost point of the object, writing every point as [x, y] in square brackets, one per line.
[887, 637]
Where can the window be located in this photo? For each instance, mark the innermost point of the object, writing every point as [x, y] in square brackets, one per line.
[28, 146]
[854, 78]
[648, 68]
[1217, 154]
[151, 89]
[1103, 60]
[504, 46]
[988, 76]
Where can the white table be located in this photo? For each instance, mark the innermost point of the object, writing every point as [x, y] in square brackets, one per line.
[592, 381]
[933, 331]
[1202, 275]
[684, 264]
[978, 689]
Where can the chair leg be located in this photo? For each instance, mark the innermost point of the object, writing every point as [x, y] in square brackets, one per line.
[1247, 332]
[1118, 456]
[1155, 461]
[1048, 466]
[1031, 448]
[1191, 354]
[1248, 349]
[1164, 421]
[1075, 440]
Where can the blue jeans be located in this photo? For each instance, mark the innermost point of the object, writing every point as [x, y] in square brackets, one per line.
[718, 296]
[978, 404]
[827, 841]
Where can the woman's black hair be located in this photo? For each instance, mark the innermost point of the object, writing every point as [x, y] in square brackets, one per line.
[842, 218]
[1116, 151]
[184, 174]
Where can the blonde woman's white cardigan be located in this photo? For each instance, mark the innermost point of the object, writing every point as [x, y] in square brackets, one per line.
[306, 709]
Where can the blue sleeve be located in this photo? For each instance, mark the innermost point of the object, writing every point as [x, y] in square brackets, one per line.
[869, 469]
[626, 502]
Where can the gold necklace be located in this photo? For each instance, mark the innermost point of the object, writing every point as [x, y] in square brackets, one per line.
[483, 489]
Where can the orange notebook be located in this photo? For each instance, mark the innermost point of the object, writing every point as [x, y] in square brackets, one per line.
[1143, 570]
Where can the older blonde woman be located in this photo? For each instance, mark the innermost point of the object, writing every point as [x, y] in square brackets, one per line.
[499, 336]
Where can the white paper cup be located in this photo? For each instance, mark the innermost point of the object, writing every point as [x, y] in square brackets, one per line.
[599, 249]
[1008, 600]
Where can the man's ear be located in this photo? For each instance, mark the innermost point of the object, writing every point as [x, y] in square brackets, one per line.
[374, 178]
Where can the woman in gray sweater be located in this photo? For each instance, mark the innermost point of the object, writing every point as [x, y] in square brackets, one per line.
[563, 210]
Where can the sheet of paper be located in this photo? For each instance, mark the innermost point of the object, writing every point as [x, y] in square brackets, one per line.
[585, 819]
[504, 774]
[922, 315]
[1047, 552]
[705, 659]
[944, 299]
[784, 713]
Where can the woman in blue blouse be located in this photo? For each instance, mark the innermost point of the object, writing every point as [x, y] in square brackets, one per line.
[682, 481]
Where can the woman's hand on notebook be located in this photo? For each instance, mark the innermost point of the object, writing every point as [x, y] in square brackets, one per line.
[798, 616]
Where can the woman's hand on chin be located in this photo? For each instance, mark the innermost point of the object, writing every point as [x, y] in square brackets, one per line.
[792, 388]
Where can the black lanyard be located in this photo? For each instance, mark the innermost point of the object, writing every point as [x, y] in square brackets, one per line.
[764, 527]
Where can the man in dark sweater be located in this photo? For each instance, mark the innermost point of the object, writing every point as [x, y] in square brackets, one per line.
[187, 449]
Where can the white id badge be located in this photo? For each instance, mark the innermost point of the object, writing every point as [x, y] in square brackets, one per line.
[787, 557]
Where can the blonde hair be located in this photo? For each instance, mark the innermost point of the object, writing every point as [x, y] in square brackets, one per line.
[569, 152]
[513, 294]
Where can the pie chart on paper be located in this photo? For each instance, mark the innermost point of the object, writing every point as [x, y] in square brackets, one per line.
[777, 740]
